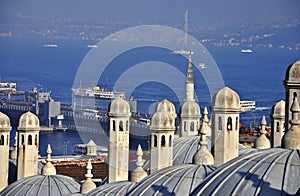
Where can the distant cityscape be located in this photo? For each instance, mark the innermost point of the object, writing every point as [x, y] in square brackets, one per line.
[250, 35]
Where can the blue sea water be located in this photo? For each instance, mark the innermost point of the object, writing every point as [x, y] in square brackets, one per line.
[255, 76]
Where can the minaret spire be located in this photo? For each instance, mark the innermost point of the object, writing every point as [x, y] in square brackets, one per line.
[88, 184]
[48, 168]
[189, 83]
[203, 156]
[139, 173]
[263, 142]
[291, 139]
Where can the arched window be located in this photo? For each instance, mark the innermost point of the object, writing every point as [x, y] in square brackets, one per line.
[114, 125]
[220, 123]
[192, 126]
[163, 141]
[184, 126]
[295, 94]
[127, 125]
[121, 128]
[2, 140]
[237, 123]
[229, 123]
[155, 141]
[36, 140]
[277, 127]
[23, 140]
[7, 139]
[29, 142]
[170, 140]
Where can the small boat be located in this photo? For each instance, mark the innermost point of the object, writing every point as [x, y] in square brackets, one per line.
[246, 51]
[50, 45]
[92, 46]
[182, 51]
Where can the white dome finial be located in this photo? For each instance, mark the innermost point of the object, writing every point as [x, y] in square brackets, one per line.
[203, 156]
[48, 168]
[88, 184]
[262, 142]
[139, 173]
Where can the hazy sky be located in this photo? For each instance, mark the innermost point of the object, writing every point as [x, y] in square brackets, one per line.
[156, 11]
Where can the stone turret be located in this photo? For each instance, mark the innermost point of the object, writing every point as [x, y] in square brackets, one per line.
[277, 123]
[225, 125]
[291, 138]
[138, 173]
[162, 135]
[118, 155]
[28, 145]
[203, 156]
[262, 142]
[4, 149]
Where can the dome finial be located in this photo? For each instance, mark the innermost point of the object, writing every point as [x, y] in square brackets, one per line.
[88, 184]
[203, 156]
[262, 142]
[48, 168]
[291, 138]
[139, 173]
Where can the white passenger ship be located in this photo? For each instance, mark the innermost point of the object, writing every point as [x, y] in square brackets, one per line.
[247, 106]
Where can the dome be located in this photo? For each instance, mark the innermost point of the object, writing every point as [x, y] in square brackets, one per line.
[4, 122]
[29, 122]
[174, 180]
[162, 120]
[115, 188]
[273, 171]
[45, 185]
[292, 75]
[166, 105]
[184, 149]
[226, 99]
[190, 109]
[278, 109]
[119, 107]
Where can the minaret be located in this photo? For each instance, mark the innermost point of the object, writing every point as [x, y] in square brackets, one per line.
[118, 157]
[162, 135]
[225, 125]
[88, 184]
[203, 156]
[48, 168]
[4, 149]
[291, 138]
[190, 110]
[262, 142]
[189, 82]
[28, 144]
[292, 89]
[138, 173]
[277, 123]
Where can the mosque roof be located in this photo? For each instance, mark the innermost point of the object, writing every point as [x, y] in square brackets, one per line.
[274, 171]
[114, 188]
[43, 184]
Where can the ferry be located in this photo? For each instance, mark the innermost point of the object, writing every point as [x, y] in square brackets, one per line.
[182, 52]
[247, 106]
[97, 92]
[92, 46]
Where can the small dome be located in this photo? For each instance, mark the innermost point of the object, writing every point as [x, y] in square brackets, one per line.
[162, 120]
[292, 74]
[226, 99]
[29, 122]
[174, 180]
[166, 105]
[274, 171]
[262, 142]
[45, 185]
[278, 109]
[119, 107]
[114, 188]
[4, 122]
[191, 109]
